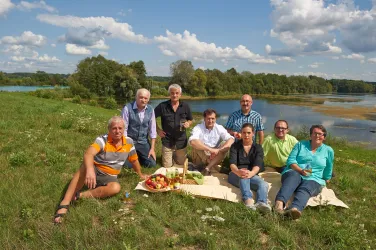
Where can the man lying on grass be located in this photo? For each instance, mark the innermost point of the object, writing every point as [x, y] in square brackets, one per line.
[102, 163]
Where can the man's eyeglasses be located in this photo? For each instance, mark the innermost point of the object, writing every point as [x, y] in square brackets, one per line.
[280, 128]
[319, 134]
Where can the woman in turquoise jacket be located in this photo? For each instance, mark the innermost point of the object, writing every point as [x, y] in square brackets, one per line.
[309, 168]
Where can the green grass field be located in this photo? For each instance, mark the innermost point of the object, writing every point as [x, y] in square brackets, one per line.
[42, 145]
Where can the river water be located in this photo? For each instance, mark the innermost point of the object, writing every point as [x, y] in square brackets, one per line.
[353, 130]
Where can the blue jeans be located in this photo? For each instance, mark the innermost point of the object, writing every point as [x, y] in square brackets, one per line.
[304, 189]
[255, 183]
[142, 153]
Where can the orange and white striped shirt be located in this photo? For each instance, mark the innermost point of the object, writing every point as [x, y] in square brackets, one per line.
[109, 158]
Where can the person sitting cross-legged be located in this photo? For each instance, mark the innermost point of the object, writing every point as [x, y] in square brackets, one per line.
[102, 163]
[210, 142]
[246, 161]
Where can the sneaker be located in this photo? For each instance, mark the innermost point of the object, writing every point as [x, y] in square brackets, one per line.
[249, 204]
[293, 213]
[263, 207]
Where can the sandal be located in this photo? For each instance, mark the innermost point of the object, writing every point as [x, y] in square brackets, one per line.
[76, 196]
[60, 215]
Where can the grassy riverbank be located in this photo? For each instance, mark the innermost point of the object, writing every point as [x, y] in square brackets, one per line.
[42, 144]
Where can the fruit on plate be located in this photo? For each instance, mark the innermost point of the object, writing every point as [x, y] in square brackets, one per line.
[157, 182]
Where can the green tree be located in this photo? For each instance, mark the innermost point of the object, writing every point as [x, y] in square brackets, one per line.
[181, 73]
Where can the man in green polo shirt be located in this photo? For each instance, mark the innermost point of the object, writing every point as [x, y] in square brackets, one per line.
[277, 147]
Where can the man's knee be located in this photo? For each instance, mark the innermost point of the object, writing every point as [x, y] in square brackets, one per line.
[114, 187]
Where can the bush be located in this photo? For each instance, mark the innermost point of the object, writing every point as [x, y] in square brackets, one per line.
[110, 103]
[93, 103]
[76, 99]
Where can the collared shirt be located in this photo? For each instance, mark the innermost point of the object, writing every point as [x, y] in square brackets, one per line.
[241, 159]
[171, 123]
[210, 137]
[110, 158]
[141, 115]
[276, 151]
[321, 161]
[237, 119]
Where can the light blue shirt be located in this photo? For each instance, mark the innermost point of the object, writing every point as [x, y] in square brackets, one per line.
[321, 161]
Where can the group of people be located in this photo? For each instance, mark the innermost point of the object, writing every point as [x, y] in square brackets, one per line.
[305, 166]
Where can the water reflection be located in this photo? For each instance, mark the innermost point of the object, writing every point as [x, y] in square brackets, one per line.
[297, 116]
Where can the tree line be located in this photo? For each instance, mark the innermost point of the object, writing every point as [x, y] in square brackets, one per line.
[40, 78]
[99, 77]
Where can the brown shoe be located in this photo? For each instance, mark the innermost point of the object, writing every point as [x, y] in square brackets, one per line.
[278, 207]
[293, 213]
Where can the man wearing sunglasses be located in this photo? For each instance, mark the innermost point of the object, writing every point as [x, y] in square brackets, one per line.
[278, 146]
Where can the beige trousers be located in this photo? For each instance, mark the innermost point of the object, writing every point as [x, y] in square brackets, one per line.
[171, 156]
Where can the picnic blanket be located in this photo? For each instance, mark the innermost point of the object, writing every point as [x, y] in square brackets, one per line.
[217, 187]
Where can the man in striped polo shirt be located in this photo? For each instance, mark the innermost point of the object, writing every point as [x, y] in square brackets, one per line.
[102, 163]
[246, 115]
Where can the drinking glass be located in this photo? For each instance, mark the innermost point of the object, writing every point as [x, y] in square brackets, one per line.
[182, 121]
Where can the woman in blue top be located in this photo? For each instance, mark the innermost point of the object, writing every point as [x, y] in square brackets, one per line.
[309, 168]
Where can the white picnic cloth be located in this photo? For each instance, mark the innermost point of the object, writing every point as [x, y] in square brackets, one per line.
[217, 187]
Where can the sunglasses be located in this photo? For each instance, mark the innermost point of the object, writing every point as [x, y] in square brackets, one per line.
[280, 128]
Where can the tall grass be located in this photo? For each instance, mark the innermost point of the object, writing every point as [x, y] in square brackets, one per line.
[42, 144]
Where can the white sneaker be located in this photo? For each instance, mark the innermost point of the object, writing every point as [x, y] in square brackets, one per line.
[251, 206]
[263, 207]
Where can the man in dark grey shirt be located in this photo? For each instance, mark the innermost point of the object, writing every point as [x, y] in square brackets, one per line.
[176, 117]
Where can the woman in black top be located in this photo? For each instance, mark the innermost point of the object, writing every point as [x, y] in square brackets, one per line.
[246, 161]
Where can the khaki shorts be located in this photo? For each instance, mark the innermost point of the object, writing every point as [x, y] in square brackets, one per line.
[171, 156]
[199, 157]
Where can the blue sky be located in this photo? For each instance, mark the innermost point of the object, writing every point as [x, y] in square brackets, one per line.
[331, 39]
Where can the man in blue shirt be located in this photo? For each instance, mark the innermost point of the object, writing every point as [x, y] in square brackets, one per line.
[245, 115]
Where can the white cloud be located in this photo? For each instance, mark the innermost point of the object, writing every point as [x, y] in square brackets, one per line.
[314, 65]
[371, 60]
[47, 59]
[187, 46]
[103, 53]
[268, 48]
[124, 13]
[167, 52]
[23, 5]
[53, 45]
[86, 37]
[335, 57]
[118, 30]
[99, 45]
[27, 38]
[311, 26]
[354, 56]
[285, 58]
[73, 49]
[5, 6]
[17, 58]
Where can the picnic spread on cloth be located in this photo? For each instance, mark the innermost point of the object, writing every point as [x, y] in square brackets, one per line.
[217, 187]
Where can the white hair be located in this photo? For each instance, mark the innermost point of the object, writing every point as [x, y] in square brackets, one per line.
[139, 91]
[115, 119]
[174, 86]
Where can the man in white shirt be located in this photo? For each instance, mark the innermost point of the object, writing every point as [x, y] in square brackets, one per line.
[210, 142]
